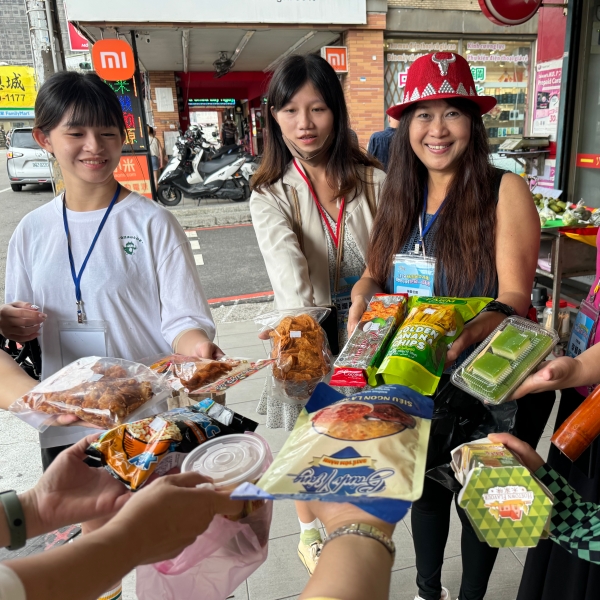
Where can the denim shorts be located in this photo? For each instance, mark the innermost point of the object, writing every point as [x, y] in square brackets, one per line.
[155, 163]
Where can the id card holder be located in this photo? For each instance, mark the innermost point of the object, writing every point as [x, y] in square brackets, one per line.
[78, 340]
[413, 275]
[584, 329]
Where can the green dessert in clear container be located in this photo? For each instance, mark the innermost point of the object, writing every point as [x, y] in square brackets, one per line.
[504, 359]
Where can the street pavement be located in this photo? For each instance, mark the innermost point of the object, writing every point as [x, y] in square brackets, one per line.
[232, 263]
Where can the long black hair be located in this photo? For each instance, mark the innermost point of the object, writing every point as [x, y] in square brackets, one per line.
[345, 154]
[89, 102]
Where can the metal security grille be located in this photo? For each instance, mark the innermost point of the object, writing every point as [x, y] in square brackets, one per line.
[392, 91]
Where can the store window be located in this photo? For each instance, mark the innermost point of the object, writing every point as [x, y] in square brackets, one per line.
[500, 69]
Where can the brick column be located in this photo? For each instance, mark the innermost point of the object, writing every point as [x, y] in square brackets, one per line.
[163, 120]
[363, 84]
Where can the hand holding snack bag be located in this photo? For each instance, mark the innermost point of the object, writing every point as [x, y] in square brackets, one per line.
[301, 354]
[368, 449]
[103, 392]
[417, 354]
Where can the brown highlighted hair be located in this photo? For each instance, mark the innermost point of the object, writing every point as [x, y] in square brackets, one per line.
[465, 236]
[345, 154]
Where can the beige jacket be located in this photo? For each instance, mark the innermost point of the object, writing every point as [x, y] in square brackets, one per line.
[296, 256]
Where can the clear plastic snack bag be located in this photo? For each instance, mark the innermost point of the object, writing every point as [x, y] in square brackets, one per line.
[299, 347]
[196, 375]
[104, 392]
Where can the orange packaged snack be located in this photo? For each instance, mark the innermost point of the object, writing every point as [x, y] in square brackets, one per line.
[300, 350]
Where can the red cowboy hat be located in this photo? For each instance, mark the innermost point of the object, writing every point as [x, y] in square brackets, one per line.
[438, 76]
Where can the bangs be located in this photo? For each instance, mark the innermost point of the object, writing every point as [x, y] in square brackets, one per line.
[90, 109]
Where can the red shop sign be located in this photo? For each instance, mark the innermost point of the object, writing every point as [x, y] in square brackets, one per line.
[588, 161]
[509, 12]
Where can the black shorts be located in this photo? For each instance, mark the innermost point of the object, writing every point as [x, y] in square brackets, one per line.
[49, 454]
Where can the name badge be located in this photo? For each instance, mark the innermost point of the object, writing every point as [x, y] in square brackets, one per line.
[413, 275]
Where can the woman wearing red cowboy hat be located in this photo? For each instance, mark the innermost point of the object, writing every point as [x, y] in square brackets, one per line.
[444, 197]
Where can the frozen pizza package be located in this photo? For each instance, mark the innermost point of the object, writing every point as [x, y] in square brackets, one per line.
[417, 353]
[103, 392]
[368, 448]
[134, 451]
[357, 363]
[506, 504]
[196, 375]
[300, 352]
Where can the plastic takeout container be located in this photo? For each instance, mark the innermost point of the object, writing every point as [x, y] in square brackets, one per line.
[510, 372]
[229, 460]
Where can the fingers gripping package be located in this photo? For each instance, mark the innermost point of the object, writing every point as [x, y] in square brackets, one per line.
[504, 359]
[134, 451]
[368, 448]
[507, 506]
[417, 354]
[301, 354]
[102, 391]
[360, 358]
[199, 375]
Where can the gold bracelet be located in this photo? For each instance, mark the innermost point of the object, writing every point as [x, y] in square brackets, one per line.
[364, 530]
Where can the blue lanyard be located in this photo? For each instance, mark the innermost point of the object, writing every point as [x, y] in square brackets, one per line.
[77, 278]
[425, 228]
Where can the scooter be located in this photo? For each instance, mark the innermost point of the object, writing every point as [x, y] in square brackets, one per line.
[220, 177]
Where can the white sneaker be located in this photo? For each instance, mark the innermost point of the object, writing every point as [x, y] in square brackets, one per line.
[445, 595]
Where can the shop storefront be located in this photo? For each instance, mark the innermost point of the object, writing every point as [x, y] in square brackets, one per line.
[500, 68]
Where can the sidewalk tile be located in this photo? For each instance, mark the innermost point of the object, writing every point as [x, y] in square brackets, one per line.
[285, 520]
[239, 340]
[405, 552]
[246, 391]
[236, 327]
[248, 409]
[520, 553]
[255, 352]
[275, 437]
[241, 593]
[283, 574]
[543, 447]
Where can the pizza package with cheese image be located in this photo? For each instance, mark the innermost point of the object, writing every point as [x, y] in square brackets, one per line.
[506, 504]
[368, 448]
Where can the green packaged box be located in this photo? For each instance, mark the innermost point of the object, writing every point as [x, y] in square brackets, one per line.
[507, 506]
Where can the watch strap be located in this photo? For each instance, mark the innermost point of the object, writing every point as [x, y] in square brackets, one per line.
[364, 530]
[14, 518]
[499, 307]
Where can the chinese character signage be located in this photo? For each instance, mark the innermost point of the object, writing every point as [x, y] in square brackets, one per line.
[478, 73]
[17, 92]
[127, 94]
[134, 174]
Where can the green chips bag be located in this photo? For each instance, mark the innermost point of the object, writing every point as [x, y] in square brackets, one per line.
[417, 353]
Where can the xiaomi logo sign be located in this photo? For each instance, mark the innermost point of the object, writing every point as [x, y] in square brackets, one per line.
[113, 60]
[337, 57]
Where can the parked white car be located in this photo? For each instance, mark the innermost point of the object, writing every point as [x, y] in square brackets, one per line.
[26, 161]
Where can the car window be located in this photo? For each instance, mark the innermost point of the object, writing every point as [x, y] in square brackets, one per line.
[23, 139]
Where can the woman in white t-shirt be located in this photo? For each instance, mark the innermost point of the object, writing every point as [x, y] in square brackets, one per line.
[98, 253]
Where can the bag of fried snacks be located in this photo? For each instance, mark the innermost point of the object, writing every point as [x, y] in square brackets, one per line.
[506, 504]
[417, 354]
[368, 449]
[103, 392]
[301, 354]
[200, 375]
[360, 358]
[134, 451]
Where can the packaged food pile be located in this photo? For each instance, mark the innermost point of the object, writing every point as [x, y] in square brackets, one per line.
[102, 391]
[360, 358]
[507, 506]
[300, 351]
[134, 451]
[368, 448]
[504, 359]
[417, 354]
[199, 375]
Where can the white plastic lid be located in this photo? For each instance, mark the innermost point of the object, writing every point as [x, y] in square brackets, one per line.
[228, 460]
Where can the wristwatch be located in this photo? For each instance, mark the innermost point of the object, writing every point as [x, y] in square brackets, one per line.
[364, 530]
[15, 519]
[500, 307]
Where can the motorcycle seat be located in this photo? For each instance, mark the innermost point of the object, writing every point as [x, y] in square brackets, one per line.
[212, 166]
[224, 150]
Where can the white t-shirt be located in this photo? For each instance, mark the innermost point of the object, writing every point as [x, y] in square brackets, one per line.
[11, 587]
[141, 280]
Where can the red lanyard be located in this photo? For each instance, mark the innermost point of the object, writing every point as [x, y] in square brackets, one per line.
[334, 236]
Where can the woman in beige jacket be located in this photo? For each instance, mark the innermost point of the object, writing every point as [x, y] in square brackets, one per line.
[313, 204]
